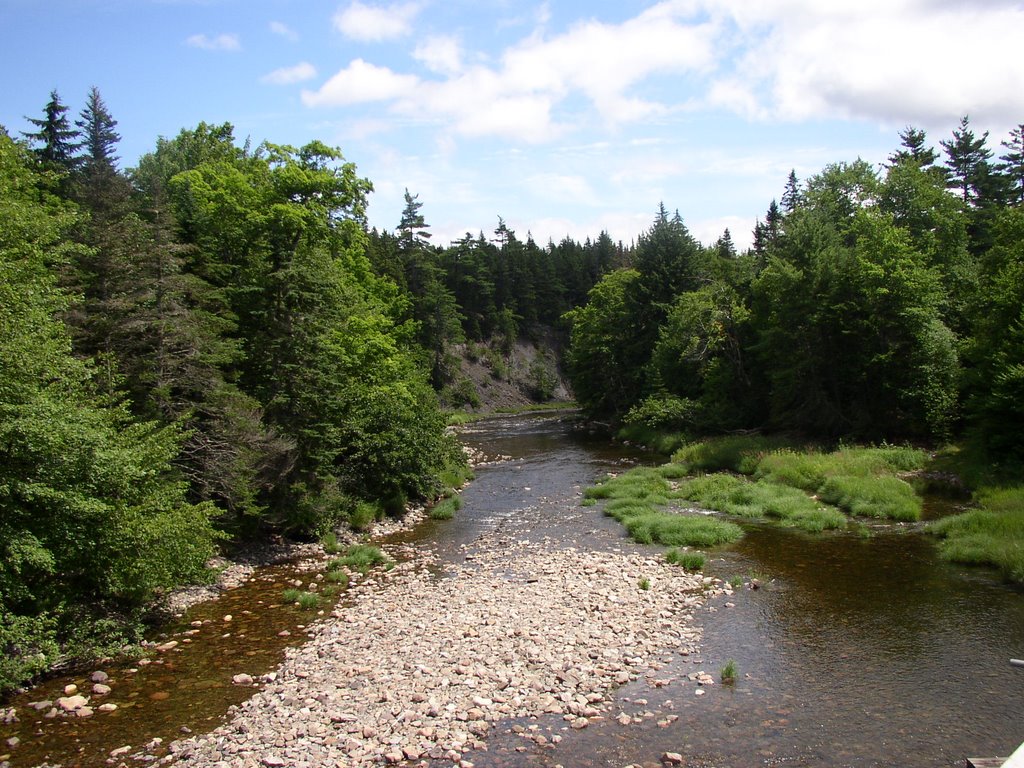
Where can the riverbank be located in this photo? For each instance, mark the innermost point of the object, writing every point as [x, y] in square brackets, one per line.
[428, 666]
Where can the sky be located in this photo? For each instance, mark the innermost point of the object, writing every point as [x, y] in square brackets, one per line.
[565, 118]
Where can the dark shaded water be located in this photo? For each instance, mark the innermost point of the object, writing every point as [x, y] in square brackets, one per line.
[854, 652]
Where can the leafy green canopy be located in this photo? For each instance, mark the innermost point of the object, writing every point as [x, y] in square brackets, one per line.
[90, 509]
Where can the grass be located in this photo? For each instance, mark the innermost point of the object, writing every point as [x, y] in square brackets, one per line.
[991, 535]
[446, 508]
[364, 514]
[360, 558]
[743, 498]
[691, 561]
[739, 453]
[307, 601]
[736, 582]
[675, 530]
[337, 577]
[729, 672]
[887, 497]
[644, 583]
[330, 543]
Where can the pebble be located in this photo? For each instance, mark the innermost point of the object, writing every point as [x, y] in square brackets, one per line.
[99, 676]
[100, 689]
[423, 669]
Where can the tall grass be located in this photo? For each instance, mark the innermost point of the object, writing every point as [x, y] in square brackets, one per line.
[360, 558]
[739, 453]
[991, 535]
[446, 508]
[675, 530]
[691, 561]
[887, 497]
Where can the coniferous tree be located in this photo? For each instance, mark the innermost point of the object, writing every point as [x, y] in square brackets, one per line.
[914, 149]
[791, 196]
[967, 160]
[99, 139]
[56, 139]
[1013, 164]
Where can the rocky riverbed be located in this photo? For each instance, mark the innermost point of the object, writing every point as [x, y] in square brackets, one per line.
[425, 667]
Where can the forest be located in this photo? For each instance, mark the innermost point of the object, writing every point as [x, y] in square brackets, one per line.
[214, 345]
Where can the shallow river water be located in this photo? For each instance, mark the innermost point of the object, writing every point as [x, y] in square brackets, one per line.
[853, 652]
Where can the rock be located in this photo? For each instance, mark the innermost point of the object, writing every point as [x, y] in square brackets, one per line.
[273, 761]
[84, 712]
[12, 742]
[159, 695]
[99, 676]
[100, 689]
[227, 617]
[120, 751]
[108, 707]
[70, 690]
[71, 703]
[242, 679]
[672, 758]
[165, 647]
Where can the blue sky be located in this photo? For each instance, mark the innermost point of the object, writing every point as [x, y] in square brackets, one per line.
[564, 118]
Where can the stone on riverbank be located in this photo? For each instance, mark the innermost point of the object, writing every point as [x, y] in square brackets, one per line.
[426, 666]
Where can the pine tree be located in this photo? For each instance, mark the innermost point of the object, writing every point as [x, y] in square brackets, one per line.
[99, 138]
[967, 159]
[791, 197]
[56, 137]
[913, 141]
[1013, 163]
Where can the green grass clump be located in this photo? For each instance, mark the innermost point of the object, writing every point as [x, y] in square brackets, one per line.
[291, 595]
[743, 498]
[992, 535]
[622, 509]
[364, 514]
[641, 483]
[330, 543]
[691, 561]
[886, 496]
[736, 582]
[446, 508]
[644, 583]
[680, 530]
[729, 672]
[309, 601]
[337, 577]
[360, 558]
[738, 453]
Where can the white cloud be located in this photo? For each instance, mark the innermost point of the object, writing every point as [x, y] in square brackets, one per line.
[373, 23]
[288, 75]
[359, 83]
[894, 61]
[225, 42]
[440, 54]
[282, 29]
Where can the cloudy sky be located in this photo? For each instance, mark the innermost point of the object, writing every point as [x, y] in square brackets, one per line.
[565, 118]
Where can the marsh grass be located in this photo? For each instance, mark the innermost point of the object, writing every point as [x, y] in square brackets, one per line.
[691, 561]
[991, 535]
[729, 672]
[307, 601]
[640, 483]
[674, 530]
[361, 558]
[886, 497]
[743, 498]
[737, 453]
[337, 577]
[330, 543]
[446, 508]
[291, 595]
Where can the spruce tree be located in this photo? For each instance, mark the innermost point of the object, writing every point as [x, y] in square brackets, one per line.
[1013, 164]
[914, 150]
[55, 136]
[99, 139]
[967, 159]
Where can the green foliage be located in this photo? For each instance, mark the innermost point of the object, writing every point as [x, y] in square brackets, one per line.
[887, 497]
[675, 530]
[644, 583]
[691, 561]
[736, 453]
[361, 558]
[446, 508]
[992, 535]
[330, 543]
[729, 672]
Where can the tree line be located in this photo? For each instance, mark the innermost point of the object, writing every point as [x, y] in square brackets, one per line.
[877, 304]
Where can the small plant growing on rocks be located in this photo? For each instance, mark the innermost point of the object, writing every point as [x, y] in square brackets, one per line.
[691, 561]
[729, 672]
[330, 543]
[446, 508]
[361, 558]
[309, 601]
[736, 582]
[338, 578]
[644, 583]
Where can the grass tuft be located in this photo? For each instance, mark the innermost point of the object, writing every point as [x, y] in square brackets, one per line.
[729, 672]
[691, 561]
[446, 508]
[360, 558]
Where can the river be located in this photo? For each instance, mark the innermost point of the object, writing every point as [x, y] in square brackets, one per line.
[853, 652]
